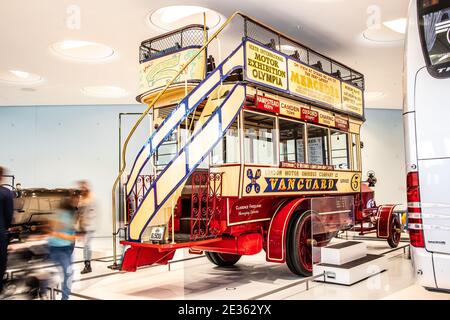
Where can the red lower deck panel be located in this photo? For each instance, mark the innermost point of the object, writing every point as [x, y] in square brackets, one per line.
[140, 256]
[246, 244]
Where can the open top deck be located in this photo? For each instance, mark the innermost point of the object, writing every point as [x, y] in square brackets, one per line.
[274, 61]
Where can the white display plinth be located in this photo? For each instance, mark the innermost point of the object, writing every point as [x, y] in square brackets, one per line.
[343, 252]
[347, 263]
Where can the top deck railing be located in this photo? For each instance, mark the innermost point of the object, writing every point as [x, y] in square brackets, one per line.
[193, 36]
[187, 37]
[254, 30]
[275, 40]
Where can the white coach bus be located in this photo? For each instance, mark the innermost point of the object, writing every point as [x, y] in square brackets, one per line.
[426, 115]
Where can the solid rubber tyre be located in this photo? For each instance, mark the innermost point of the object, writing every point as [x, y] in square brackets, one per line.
[298, 251]
[222, 259]
[394, 236]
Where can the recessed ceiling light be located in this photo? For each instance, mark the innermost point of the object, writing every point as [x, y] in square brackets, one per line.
[174, 17]
[398, 25]
[19, 77]
[104, 91]
[20, 74]
[382, 34]
[373, 95]
[84, 51]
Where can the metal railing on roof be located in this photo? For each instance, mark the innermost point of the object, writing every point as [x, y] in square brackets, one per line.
[191, 36]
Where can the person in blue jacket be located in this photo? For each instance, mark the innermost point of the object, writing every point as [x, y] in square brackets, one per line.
[6, 215]
[61, 241]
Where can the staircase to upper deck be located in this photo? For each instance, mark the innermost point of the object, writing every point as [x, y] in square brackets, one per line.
[224, 102]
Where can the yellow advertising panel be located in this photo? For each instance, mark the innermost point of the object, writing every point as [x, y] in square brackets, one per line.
[290, 109]
[263, 181]
[352, 99]
[326, 118]
[157, 73]
[314, 85]
[265, 66]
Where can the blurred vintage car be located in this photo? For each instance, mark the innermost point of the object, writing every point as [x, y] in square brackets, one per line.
[33, 208]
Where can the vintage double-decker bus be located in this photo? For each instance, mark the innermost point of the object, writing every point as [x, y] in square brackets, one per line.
[259, 152]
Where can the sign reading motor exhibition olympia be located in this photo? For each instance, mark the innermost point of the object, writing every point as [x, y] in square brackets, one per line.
[157, 73]
[276, 70]
[275, 181]
[265, 66]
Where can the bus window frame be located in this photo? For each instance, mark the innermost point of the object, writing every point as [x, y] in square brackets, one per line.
[358, 165]
[304, 124]
[432, 69]
[239, 158]
[276, 141]
[328, 143]
[349, 151]
[353, 167]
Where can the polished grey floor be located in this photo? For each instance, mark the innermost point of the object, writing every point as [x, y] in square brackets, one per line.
[252, 277]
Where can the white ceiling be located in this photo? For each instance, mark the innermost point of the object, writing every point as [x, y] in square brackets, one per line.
[332, 27]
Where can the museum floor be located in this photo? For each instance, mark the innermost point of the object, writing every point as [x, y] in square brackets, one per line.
[251, 278]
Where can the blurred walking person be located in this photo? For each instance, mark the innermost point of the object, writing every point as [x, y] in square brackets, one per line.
[62, 241]
[6, 214]
[87, 213]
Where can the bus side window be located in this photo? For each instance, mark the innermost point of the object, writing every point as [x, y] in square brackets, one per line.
[227, 150]
[318, 145]
[340, 158]
[260, 139]
[292, 141]
[355, 151]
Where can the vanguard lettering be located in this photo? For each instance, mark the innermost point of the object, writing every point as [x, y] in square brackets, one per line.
[300, 184]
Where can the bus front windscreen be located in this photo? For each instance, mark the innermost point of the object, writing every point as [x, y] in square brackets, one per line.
[435, 22]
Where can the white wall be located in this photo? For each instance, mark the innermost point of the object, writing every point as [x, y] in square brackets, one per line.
[54, 146]
[383, 153]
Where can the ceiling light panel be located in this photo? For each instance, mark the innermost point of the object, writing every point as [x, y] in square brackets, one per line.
[174, 17]
[19, 77]
[398, 25]
[83, 51]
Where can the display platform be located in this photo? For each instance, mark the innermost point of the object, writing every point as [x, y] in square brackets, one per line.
[348, 263]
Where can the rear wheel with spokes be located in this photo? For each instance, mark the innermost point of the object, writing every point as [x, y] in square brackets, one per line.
[299, 245]
[395, 232]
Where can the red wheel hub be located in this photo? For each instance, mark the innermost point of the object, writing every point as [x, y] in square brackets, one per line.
[304, 245]
[395, 234]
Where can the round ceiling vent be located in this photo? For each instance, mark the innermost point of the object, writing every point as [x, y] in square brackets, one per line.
[19, 77]
[83, 51]
[174, 17]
